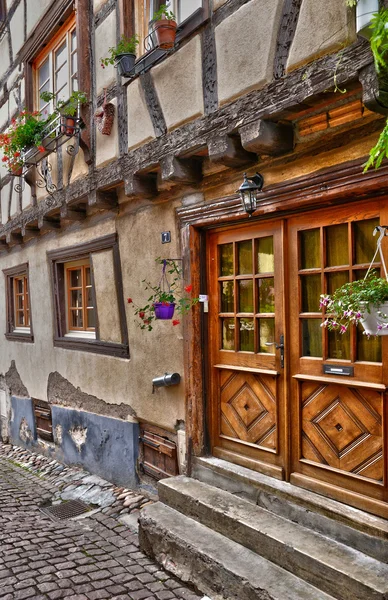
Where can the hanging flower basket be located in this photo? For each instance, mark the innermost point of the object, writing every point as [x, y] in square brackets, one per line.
[164, 310]
[375, 322]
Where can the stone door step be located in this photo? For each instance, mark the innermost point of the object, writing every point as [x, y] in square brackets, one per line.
[337, 569]
[356, 528]
[218, 566]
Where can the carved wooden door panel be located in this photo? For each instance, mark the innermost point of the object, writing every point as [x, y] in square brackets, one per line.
[245, 273]
[337, 381]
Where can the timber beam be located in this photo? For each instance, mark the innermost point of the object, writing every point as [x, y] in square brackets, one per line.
[102, 200]
[179, 171]
[140, 186]
[70, 215]
[29, 232]
[45, 224]
[266, 137]
[13, 238]
[228, 151]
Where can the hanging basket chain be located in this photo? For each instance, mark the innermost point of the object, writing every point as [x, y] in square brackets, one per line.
[382, 230]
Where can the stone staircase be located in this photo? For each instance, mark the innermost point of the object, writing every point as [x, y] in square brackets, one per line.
[240, 535]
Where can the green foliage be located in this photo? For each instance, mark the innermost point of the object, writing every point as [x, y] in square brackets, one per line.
[379, 151]
[24, 132]
[163, 13]
[167, 291]
[379, 38]
[125, 46]
[66, 107]
[349, 302]
[351, 2]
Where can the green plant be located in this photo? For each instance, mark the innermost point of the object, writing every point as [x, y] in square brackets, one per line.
[125, 46]
[25, 131]
[168, 291]
[351, 2]
[163, 13]
[379, 38]
[67, 107]
[349, 302]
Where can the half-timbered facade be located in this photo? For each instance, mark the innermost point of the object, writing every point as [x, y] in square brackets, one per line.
[285, 88]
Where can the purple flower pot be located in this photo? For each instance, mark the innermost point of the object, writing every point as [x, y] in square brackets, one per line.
[164, 311]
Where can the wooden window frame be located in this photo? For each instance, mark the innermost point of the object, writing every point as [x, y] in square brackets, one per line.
[3, 12]
[13, 331]
[62, 336]
[64, 33]
[83, 266]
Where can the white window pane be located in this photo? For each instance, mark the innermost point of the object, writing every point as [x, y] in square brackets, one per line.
[74, 84]
[74, 63]
[73, 41]
[61, 56]
[44, 72]
[186, 8]
[61, 84]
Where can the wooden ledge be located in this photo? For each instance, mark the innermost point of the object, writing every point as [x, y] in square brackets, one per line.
[348, 381]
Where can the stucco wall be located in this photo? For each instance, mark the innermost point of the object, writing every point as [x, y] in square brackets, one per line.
[112, 379]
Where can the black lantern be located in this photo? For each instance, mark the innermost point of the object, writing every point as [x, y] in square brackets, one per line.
[248, 192]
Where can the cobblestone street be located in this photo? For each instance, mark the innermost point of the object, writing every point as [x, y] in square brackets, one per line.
[96, 557]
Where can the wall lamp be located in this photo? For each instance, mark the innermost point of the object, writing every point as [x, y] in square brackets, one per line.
[248, 192]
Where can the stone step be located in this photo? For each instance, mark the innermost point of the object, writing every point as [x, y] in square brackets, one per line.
[335, 568]
[356, 528]
[216, 565]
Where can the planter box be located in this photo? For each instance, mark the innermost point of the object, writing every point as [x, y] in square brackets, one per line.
[372, 320]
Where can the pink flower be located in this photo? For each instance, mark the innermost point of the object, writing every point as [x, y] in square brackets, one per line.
[343, 329]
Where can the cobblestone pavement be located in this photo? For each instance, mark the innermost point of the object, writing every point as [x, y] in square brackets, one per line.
[97, 557]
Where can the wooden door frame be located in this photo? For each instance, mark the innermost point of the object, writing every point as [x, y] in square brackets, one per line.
[333, 186]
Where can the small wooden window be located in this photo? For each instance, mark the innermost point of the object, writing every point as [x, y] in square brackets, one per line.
[21, 303]
[158, 453]
[80, 298]
[43, 419]
[19, 326]
[56, 67]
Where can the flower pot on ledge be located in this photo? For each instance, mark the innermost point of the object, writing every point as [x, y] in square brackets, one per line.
[164, 310]
[165, 31]
[125, 64]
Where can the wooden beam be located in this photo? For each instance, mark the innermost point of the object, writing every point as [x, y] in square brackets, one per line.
[227, 150]
[45, 224]
[29, 232]
[266, 137]
[177, 170]
[13, 238]
[69, 215]
[141, 186]
[102, 200]
[84, 14]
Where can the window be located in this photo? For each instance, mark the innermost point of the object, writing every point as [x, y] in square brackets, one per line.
[182, 9]
[89, 311]
[18, 304]
[80, 299]
[56, 67]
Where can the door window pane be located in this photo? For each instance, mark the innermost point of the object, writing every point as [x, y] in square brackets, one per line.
[337, 245]
[245, 258]
[266, 335]
[266, 295]
[311, 290]
[368, 350]
[310, 256]
[245, 296]
[226, 260]
[339, 345]
[227, 296]
[265, 255]
[227, 334]
[336, 280]
[364, 242]
[247, 335]
[311, 337]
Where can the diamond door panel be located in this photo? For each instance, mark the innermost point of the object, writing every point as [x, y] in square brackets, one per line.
[342, 428]
[249, 408]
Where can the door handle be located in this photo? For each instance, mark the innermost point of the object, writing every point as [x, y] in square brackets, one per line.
[280, 347]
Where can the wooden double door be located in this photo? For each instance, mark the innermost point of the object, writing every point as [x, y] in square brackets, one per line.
[286, 396]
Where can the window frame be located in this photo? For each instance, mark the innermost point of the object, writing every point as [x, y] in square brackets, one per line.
[81, 340]
[48, 52]
[14, 332]
[81, 265]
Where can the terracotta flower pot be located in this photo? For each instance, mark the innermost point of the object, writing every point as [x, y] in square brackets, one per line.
[67, 125]
[165, 33]
[17, 171]
[164, 310]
